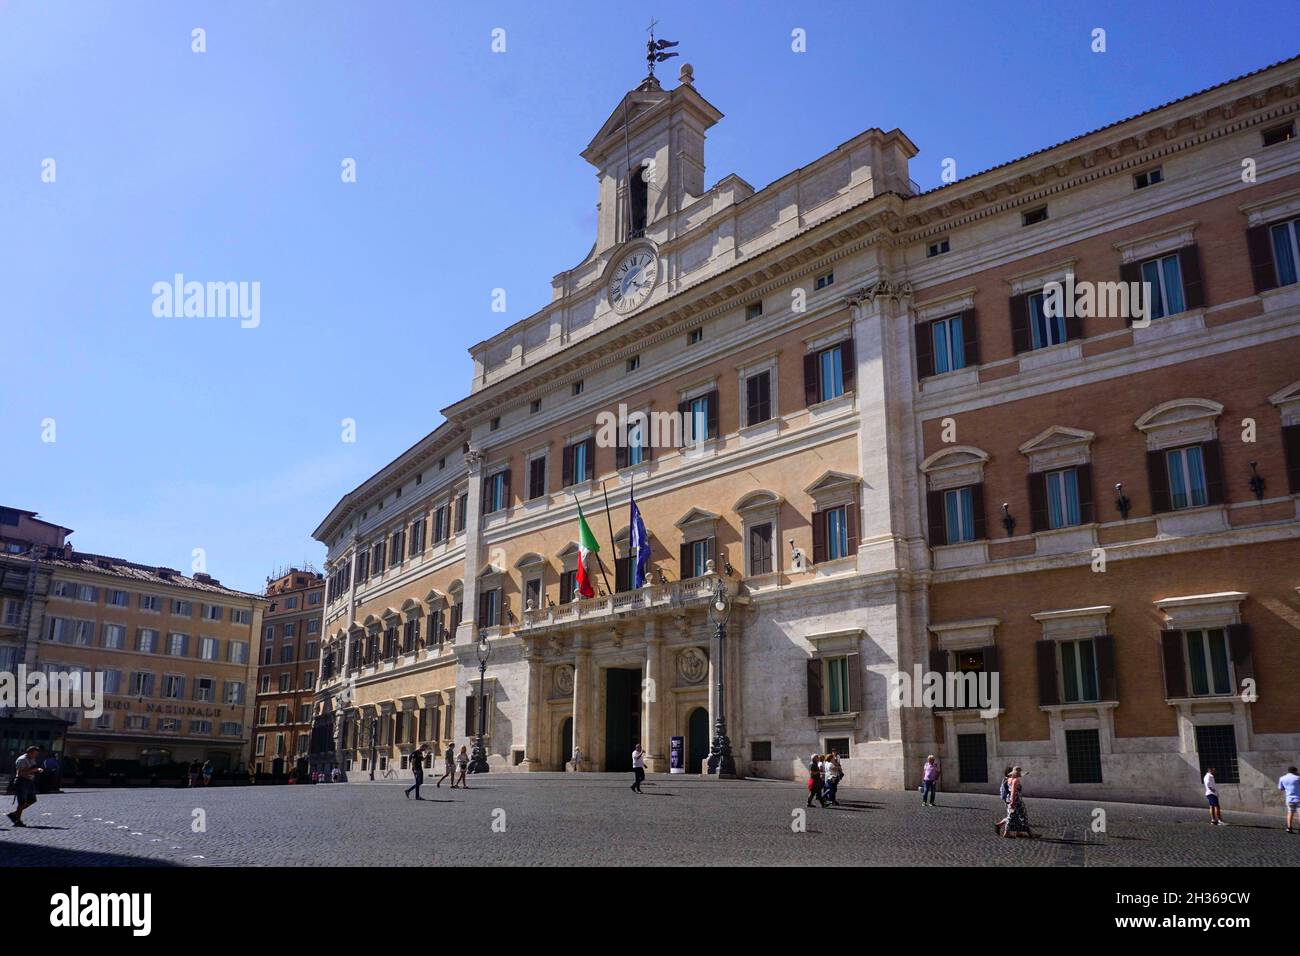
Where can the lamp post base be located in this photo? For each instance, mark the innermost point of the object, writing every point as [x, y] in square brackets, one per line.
[478, 762]
[721, 763]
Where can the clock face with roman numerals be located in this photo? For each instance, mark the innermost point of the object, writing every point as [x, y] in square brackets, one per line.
[633, 280]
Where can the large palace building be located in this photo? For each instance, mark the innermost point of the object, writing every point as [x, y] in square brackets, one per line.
[1036, 431]
[176, 654]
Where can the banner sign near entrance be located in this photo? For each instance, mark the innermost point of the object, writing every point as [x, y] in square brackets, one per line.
[677, 755]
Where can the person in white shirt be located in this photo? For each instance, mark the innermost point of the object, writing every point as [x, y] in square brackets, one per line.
[638, 768]
[26, 768]
[1212, 798]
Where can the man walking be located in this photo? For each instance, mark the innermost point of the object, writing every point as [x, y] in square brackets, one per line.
[449, 766]
[1289, 784]
[1212, 798]
[25, 770]
[638, 768]
[417, 769]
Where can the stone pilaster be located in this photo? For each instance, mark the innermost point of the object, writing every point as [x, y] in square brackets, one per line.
[467, 632]
[654, 688]
[582, 678]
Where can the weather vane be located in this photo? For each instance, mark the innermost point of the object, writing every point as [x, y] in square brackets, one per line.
[655, 48]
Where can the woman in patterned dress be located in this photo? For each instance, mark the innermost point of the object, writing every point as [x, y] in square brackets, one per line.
[1017, 817]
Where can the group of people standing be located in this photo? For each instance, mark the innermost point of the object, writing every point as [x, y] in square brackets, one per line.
[824, 775]
[453, 763]
[200, 774]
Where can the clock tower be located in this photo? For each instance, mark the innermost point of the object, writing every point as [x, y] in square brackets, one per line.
[649, 159]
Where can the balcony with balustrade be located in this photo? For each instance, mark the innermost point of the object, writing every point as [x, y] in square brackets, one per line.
[653, 599]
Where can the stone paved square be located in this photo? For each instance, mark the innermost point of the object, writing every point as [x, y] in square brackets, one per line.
[593, 820]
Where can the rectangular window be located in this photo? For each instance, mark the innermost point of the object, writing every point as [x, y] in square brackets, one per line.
[1148, 177]
[112, 681]
[232, 692]
[395, 552]
[245, 616]
[634, 363]
[697, 410]
[173, 686]
[113, 636]
[533, 593]
[760, 548]
[261, 744]
[972, 758]
[462, 511]
[758, 397]
[760, 750]
[205, 688]
[237, 652]
[1216, 745]
[536, 477]
[494, 493]
[824, 280]
[13, 612]
[490, 608]
[117, 598]
[416, 537]
[695, 336]
[209, 648]
[1062, 498]
[837, 533]
[377, 559]
[182, 608]
[440, 524]
[1207, 661]
[830, 366]
[178, 645]
[286, 654]
[577, 387]
[836, 677]
[568, 586]
[1164, 281]
[753, 310]
[150, 602]
[636, 441]
[1044, 329]
[1083, 755]
[937, 248]
[699, 553]
[1286, 250]
[231, 729]
[212, 612]
[1278, 134]
[202, 727]
[949, 345]
[1078, 671]
[134, 722]
[146, 641]
[1034, 216]
[581, 464]
[141, 684]
[1186, 468]
[959, 515]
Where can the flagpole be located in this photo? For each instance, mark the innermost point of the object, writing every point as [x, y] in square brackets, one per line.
[599, 562]
[613, 547]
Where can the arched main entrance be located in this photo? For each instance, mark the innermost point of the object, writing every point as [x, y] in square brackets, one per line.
[697, 739]
[566, 743]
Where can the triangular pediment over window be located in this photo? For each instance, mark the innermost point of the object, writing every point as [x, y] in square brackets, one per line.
[831, 481]
[695, 516]
[1058, 436]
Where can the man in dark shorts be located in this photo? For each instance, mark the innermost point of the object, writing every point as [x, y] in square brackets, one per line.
[417, 768]
[25, 770]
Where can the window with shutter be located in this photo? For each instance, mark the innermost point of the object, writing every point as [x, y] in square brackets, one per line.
[1259, 246]
[1291, 449]
[1171, 653]
[537, 477]
[924, 350]
[814, 675]
[758, 397]
[1048, 690]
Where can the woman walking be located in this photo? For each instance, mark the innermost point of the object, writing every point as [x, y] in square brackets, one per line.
[1017, 816]
[815, 790]
[462, 764]
[832, 774]
[929, 780]
[1004, 792]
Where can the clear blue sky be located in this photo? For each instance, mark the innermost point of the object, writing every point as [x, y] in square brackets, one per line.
[176, 433]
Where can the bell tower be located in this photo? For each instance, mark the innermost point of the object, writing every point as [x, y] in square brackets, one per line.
[649, 159]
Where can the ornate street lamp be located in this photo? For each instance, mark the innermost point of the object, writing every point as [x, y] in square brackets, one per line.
[478, 759]
[374, 748]
[721, 761]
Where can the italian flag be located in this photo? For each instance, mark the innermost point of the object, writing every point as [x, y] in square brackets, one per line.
[587, 547]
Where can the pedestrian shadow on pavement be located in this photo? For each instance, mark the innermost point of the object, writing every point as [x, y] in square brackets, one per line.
[36, 826]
